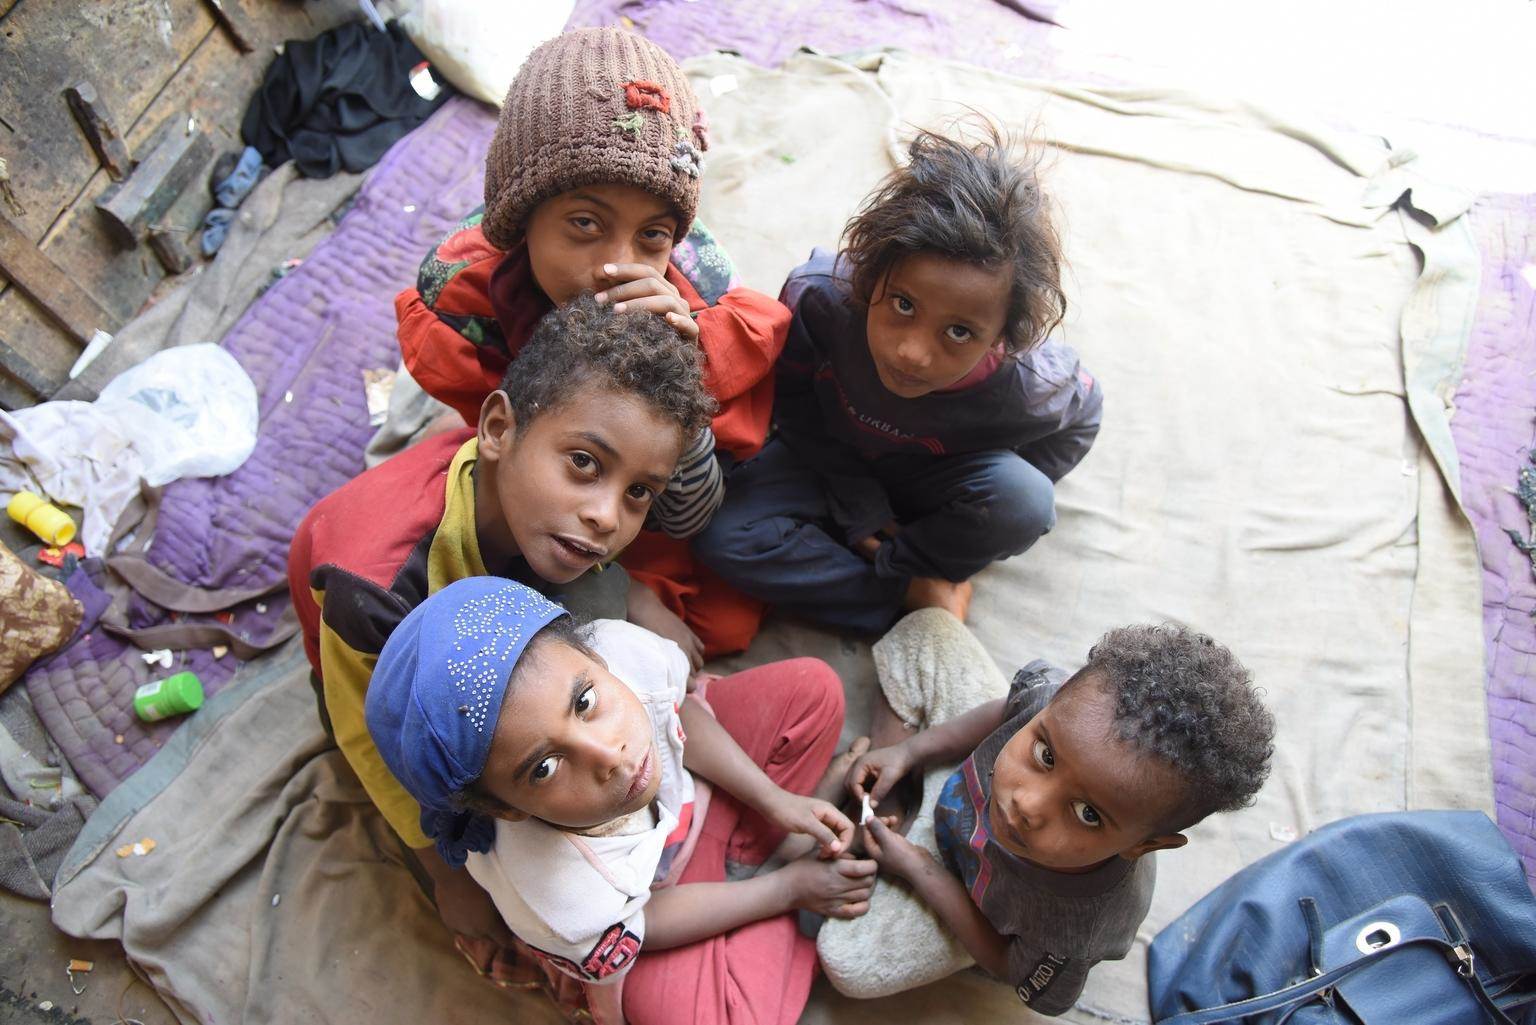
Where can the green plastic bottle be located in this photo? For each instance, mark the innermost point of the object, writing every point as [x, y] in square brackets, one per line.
[173, 695]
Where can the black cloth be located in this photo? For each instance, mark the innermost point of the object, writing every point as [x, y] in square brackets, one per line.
[338, 101]
[783, 531]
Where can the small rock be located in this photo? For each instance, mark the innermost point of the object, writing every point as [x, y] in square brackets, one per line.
[275, 898]
[117, 739]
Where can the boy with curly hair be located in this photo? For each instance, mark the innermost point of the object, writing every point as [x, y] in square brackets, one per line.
[1033, 856]
[568, 458]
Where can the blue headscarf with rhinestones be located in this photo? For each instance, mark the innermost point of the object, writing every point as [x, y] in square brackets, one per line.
[436, 694]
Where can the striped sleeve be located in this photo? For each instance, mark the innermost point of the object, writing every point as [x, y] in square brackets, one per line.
[694, 493]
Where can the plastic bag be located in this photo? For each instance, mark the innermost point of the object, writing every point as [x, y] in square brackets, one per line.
[195, 412]
[479, 46]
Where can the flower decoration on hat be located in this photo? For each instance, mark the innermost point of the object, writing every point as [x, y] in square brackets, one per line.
[632, 123]
[642, 95]
[686, 157]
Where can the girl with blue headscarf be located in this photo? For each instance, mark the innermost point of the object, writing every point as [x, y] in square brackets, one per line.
[603, 808]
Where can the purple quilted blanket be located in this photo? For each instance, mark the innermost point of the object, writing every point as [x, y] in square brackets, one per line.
[1494, 427]
[1005, 35]
[305, 343]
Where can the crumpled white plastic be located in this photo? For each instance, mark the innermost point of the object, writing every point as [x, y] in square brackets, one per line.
[189, 411]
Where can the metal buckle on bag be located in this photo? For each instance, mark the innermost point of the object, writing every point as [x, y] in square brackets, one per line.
[1465, 961]
[1377, 936]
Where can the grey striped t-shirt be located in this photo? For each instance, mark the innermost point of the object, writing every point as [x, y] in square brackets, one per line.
[1059, 924]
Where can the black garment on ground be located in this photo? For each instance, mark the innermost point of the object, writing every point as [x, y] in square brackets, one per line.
[338, 101]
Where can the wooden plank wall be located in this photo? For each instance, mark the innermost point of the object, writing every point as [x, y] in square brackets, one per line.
[150, 60]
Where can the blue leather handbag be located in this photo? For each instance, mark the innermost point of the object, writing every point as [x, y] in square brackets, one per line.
[1407, 918]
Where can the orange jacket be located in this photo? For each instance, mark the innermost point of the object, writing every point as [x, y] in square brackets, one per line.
[458, 351]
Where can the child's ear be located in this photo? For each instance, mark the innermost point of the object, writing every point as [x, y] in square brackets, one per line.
[1166, 842]
[497, 425]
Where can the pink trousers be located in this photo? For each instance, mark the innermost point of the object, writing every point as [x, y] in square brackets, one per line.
[786, 716]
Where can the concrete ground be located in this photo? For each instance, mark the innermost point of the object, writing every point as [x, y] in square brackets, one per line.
[35, 989]
[1455, 86]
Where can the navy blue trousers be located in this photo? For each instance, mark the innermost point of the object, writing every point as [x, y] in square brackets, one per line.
[783, 532]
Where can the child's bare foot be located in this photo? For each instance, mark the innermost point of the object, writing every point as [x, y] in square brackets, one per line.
[830, 788]
[933, 593]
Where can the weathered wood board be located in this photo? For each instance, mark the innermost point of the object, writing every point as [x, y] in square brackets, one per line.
[148, 59]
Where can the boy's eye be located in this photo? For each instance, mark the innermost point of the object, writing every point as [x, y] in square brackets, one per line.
[1087, 814]
[656, 236]
[583, 223]
[956, 333]
[587, 701]
[640, 493]
[583, 462]
[1043, 755]
[544, 769]
[902, 305]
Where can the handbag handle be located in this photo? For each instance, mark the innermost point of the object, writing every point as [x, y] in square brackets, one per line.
[1312, 987]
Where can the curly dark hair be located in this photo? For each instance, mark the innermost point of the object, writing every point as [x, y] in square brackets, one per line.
[1187, 701]
[585, 342]
[980, 203]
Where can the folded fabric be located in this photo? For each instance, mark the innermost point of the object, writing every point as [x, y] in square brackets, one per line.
[338, 101]
[42, 805]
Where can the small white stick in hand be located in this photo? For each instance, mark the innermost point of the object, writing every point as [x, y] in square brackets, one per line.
[866, 814]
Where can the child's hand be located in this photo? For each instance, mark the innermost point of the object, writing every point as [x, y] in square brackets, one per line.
[700, 678]
[814, 817]
[838, 889]
[893, 852]
[468, 910]
[639, 286]
[645, 609]
[668, 625]
[884, 766]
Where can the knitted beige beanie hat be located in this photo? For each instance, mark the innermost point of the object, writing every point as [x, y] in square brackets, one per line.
[593, 106]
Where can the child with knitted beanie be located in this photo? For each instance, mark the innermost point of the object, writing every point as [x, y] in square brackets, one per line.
[591, 185]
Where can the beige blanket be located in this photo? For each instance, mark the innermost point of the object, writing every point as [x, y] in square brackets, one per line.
[1273, 469]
